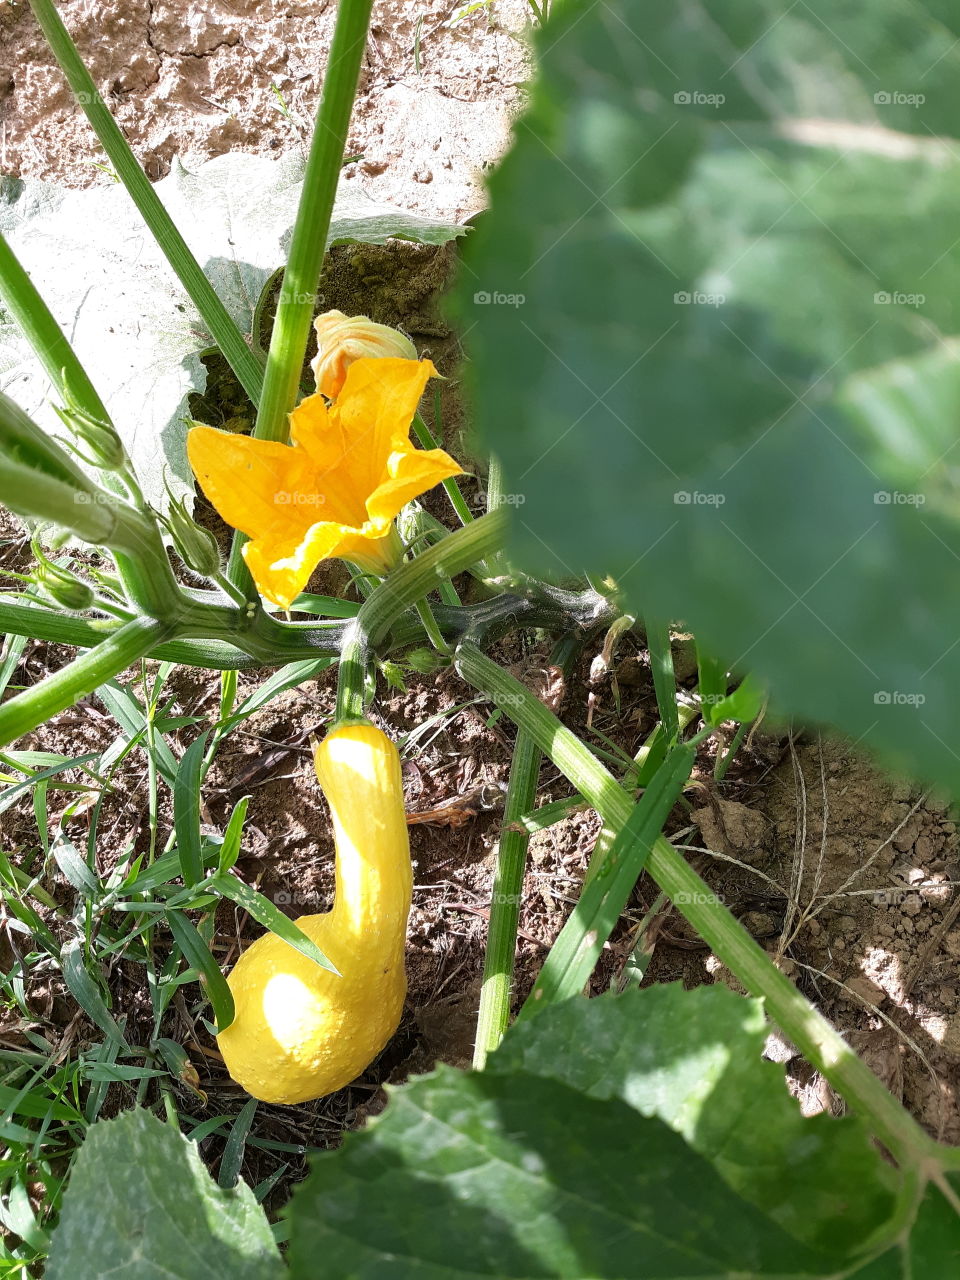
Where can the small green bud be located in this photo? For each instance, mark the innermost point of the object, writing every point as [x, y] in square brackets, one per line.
[196, 547]
[64, 587]
[103, 447]
[423, 661]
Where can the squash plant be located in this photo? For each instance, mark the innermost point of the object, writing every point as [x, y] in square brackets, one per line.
[630, 1135]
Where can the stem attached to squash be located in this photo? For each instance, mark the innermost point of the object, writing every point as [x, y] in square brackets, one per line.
[809, 1030]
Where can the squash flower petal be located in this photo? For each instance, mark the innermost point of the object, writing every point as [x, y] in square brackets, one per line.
[343, 339]
[335, 490]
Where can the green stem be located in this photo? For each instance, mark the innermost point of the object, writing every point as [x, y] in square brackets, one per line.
[427, 440]
[734, 946]
[41, 330]
[215, 315]
[664, 678]
[574, 955]
[411, 581]
[298, 291]
[86, 673]
[425, 614]
[494, 1013]
[415, 579]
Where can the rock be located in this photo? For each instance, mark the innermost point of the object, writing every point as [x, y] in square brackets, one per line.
[906, 837]
[861, 988]
[734, 828]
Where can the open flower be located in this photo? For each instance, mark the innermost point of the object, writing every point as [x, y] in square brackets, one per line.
[335, 489]
[342, 339]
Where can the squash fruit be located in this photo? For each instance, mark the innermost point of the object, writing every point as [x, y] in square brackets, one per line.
[301, 1031]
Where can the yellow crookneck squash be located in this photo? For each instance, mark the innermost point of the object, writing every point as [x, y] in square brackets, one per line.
[300, 1031]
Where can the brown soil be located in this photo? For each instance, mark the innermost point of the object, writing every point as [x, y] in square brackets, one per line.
[197, 78]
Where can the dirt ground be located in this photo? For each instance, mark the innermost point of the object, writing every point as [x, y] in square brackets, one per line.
[197, 78]
[848, 876]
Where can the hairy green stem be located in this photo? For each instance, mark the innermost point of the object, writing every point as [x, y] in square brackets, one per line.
[215, 315]
[494, 1014]
[808, 1029]
[132, 641]
[411, 581]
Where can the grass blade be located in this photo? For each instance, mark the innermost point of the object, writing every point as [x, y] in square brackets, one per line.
[574, 955]
[186, 811]
[235, 1146]
[198, 956]
[265, 913]
[86, 992]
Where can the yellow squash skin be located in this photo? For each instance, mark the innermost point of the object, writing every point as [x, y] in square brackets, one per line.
[300, 1031]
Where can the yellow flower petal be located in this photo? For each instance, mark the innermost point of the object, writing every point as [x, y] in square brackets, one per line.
[335, 490]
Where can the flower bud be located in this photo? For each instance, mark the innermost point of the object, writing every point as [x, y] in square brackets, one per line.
[342, 339]
[61, 585]
[195, 546]
[423, 661]
[96, 442]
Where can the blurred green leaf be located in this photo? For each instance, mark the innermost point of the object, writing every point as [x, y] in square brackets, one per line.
[711, 316]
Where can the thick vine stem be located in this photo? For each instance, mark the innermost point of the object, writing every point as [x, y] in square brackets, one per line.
[411, 581]
[808, 1029]
[132, 641]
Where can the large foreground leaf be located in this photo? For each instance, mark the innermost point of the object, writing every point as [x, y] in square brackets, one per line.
[514, 1175]
[113, 292]
[141, 1206]
[712, 314]
[693, 1058]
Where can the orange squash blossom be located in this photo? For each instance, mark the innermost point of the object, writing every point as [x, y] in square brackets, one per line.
[336, 489]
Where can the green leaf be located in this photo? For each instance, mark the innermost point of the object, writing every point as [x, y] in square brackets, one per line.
[271, 917]
[232, 837]
[531, 1178]
[127, 317]
[186, 811]
[140, 1205]
[742, 705]
[86, 992]
[693, 1059]
[576, 951]
[728, 376]
[199, 957]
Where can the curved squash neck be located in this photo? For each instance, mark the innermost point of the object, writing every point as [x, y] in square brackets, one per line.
[374, 885]
[359, 770]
